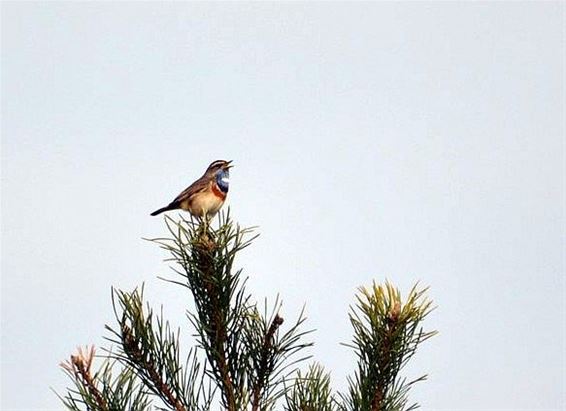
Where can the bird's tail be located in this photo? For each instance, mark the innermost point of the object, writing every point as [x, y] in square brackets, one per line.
[171, 206]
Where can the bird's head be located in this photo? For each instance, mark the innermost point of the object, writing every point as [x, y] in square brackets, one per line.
[219, 165]
[220, 171]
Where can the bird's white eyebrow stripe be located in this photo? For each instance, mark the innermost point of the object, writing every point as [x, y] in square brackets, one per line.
[217, 162]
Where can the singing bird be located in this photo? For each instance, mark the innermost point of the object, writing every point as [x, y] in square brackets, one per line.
[205, 196]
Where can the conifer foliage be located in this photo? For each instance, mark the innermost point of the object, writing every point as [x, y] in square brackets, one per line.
[244, 356]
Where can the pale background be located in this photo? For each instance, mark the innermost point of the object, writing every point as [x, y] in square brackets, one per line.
[408, 141]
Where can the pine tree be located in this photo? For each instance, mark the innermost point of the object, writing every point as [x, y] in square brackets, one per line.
[245, 357]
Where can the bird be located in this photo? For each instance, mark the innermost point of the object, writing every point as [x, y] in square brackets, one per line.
[205, 196]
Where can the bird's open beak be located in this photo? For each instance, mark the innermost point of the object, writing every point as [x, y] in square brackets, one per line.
[229, 165]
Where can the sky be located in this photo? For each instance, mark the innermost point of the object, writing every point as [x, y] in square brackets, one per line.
[408, 141]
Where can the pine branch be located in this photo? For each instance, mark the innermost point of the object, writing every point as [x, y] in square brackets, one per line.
[206, 257]
[386, 335]
[311, 392]
[271, 354]
[215, 312]
[152, 350]
[263, 370]
[79, 366]
[147, 365]
[100, 391]
[223, 315]
[217, 332]
[251, 356]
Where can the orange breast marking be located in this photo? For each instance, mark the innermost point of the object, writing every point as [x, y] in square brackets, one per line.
[218, 193]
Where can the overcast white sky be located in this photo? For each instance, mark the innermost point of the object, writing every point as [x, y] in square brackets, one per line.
[408, 141]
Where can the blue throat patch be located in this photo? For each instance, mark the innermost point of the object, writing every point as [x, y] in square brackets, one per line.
[222, 180]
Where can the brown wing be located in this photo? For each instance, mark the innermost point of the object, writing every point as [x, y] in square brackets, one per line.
[200, 185]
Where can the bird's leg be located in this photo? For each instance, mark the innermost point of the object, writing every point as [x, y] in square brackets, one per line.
[206, 234]
[205, 219]
[203, 223]
[206, 222]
